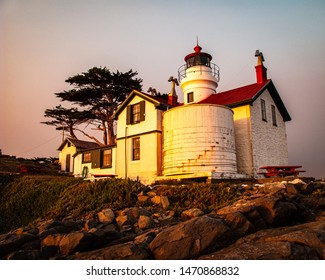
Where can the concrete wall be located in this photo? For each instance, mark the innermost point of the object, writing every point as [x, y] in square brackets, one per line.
[269, 142]
[199, 138]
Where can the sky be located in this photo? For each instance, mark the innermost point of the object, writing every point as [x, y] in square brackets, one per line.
[44, 42]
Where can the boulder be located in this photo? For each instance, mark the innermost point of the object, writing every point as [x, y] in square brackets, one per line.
[24, 255]
[11, 242]
[145, 222]
[191, 238]
[164, 202]
[265, 211]
[305, 241]
[271, 188]
[239, 224]
[192, 213]
[292, 189]
[156, 199]
[106, 216]
[142, 198]
[75, 242]
[125, 251]
[104, 235]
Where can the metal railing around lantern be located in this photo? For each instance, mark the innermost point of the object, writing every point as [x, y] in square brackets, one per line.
[213, 69]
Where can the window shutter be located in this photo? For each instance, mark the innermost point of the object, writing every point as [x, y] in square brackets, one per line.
[95, 159]
[142, 110]
[128, 114]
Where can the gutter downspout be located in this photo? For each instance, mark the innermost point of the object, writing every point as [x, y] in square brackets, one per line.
[125, 155]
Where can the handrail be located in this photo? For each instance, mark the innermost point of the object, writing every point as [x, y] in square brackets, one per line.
[183, 70]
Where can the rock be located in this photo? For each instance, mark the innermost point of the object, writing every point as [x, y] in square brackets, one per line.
[89, 224]
[105, 235]
[271, 188]
[305, 241]
[292, 189]
[145, 222]
[164, 202]
[52, 240]
[143, 198]
[265, 211]
[156, 199]
[32, 245]
[75, 242]
[147, 237]
[297, 181]
[51, 227]
[239, 224]
[125, 251]
[192, 213]
[191, 238]
[11, 242]
[122, 220]
[308, 188]
[24, 255]
[106, 216]
[151, 194]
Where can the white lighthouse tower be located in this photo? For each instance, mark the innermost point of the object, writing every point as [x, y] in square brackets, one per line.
[198, 137]
[199, 77]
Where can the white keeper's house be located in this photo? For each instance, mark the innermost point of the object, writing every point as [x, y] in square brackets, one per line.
[211, 135]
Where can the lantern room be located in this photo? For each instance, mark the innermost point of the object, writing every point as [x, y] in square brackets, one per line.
[198, 76]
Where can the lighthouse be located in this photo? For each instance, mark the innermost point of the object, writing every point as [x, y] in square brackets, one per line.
[198, 137]
[198, 77]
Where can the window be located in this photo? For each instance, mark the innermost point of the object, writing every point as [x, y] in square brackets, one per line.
[106, 158]
[135, 113]
[135, 109]
[274, 115]
[190, 97]
[263, 108]
[87, 157]
[136, 148]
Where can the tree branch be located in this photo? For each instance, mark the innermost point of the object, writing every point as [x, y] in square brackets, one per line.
[89, 136]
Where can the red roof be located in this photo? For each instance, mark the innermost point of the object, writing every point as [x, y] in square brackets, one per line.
[236, 96]
[246, 95]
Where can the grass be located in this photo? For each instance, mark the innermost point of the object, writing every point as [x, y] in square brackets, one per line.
[24, 199]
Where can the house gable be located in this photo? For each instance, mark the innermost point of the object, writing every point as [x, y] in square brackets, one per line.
[157, 101]
[247, 95]
[79, 144]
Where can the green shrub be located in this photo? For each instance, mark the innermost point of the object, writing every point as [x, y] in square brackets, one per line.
[86, 197]
[204, 196]
[24, 199]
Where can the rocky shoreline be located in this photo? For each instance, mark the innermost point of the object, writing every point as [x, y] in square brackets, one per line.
[274, 220]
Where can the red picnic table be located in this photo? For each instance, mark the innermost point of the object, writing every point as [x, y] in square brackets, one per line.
[280, 170]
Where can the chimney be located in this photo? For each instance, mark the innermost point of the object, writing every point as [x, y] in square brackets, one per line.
[260, 69]
[172, 96]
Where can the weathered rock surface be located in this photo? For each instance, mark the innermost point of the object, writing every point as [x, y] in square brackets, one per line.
[125, 251]
[306, 241]
[191, 238]
[281, 220]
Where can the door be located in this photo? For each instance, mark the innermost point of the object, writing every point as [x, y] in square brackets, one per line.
[67, 163]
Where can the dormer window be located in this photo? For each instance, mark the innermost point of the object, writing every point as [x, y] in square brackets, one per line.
[135, 113]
